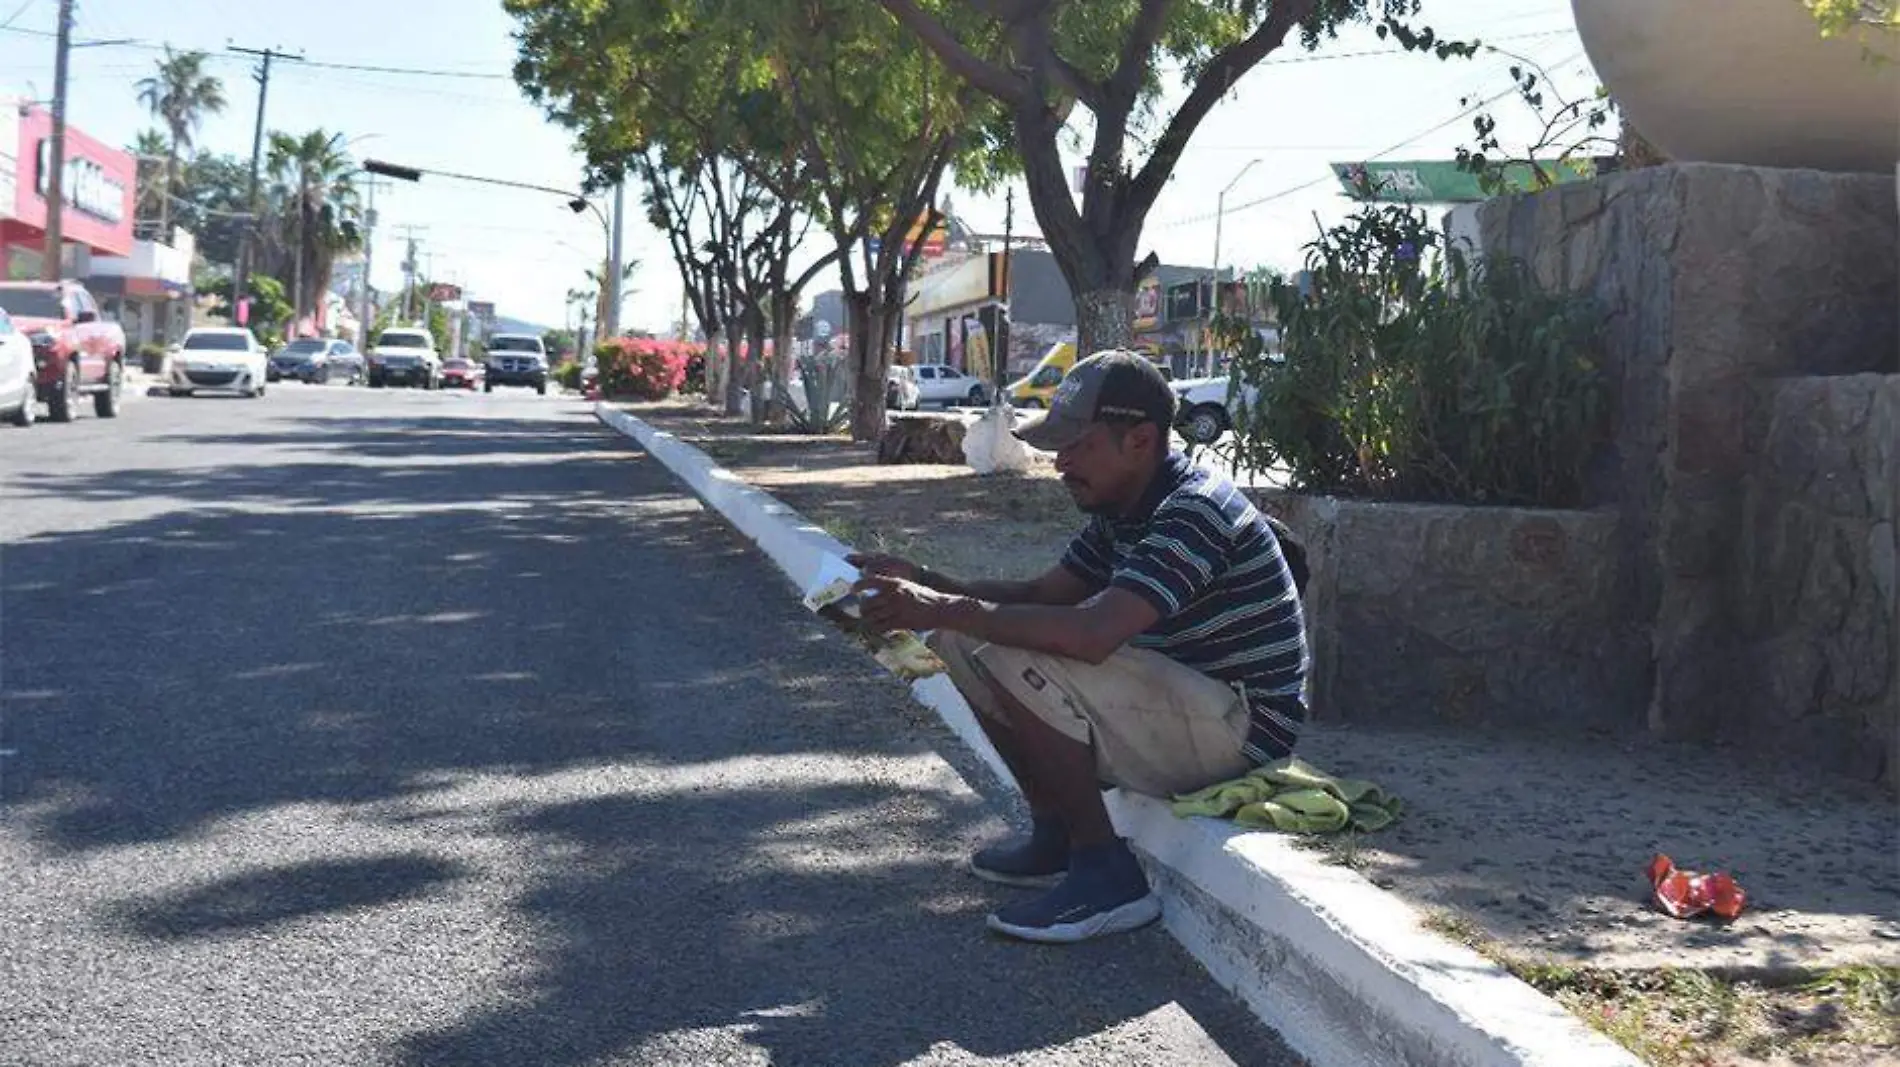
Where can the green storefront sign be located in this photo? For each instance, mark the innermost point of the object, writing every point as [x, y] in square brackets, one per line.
[1442, 182]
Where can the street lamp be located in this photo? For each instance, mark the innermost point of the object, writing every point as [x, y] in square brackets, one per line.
[1220, 217]
[575, 203]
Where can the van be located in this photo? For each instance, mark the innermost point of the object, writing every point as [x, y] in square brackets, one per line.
[1034, 389]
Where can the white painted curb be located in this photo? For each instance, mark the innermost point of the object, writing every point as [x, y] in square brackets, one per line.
[1343, 970]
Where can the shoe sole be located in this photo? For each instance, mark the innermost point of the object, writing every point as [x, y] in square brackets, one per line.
[1130, 916]
[1018, 881]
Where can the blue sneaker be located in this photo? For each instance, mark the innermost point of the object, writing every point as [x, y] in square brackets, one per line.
[1037, 862]
[1105, 893]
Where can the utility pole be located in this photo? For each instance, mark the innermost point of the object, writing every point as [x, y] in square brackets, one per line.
[1001, 341]
[367, 304]
[408, 270]
[257, 158]
[53, 263]
[611, 326]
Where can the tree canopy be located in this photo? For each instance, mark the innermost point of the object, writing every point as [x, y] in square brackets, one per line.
[1041, 58]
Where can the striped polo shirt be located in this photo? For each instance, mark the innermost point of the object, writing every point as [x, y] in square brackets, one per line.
[1202, 554]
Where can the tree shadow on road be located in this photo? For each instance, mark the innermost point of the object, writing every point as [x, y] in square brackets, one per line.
[467, 651]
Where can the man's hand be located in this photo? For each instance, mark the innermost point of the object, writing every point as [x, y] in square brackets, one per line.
[874, 565]
[895, 604]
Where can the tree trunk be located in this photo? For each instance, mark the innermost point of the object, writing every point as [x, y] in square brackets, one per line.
[870, 364]
[735, 366]
[756, 370]
[1104, 319]
[784, 310]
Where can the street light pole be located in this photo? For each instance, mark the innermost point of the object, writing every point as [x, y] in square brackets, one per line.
[1220, 217]
[610, 231]
[611, 328]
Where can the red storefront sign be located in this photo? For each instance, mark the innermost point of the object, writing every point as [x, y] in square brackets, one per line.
[98, 187]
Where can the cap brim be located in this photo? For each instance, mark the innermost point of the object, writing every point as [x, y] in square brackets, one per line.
[1052, 433]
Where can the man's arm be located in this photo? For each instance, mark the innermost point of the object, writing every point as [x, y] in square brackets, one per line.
[1090, 631]
[1059, 587]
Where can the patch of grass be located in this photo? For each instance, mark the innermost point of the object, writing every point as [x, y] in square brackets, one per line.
[1690, 1018]
[862, 537]
[1693, 1018]
[1340, 850]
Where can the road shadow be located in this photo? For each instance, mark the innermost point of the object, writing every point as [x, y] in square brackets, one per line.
[280, 895]
[386, 638]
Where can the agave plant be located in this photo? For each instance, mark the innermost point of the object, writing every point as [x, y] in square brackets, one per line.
[827, 387]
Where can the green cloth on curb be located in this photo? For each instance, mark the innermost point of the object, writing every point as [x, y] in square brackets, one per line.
[1294, 798]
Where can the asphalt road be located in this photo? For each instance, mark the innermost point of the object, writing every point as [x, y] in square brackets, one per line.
[353, 727]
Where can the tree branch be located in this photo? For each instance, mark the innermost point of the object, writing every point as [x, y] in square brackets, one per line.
[1131, 69]
[1214, 83]
[1002, 84]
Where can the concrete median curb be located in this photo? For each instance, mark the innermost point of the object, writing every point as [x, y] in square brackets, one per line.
[1343, 970]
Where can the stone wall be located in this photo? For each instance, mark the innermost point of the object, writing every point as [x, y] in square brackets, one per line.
[1817, 635]
[1494, 617]
[1713, 280]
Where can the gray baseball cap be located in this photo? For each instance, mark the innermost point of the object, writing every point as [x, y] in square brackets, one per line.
[1114, 385]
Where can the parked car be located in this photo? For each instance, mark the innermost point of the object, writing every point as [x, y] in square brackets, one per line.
[223, 359]
[315, 361]
[516, 359]
[19, 401]
[405, 356]
[937, 384]
[1202, 413]
[461, 374]
[75, 352]
[1034, 389]
[901, 392]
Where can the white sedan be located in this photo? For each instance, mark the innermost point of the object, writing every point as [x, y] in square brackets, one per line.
[17, 399]
[1201, 412]
[224, 359]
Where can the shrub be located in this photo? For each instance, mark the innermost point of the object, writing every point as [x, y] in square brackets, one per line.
[1412, 372]
[567, 374]
[640, 367]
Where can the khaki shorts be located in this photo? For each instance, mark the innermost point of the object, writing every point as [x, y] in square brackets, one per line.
[1157, 727]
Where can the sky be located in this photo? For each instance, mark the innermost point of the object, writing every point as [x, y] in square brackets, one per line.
[1352, 99]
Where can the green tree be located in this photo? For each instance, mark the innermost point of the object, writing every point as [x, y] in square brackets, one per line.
[1039, 58]
[315, 199]
[270, 310]
[179, 94]
[745, 116]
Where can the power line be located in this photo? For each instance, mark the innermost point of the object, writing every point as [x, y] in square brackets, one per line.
[428, 72]
[1302, 187]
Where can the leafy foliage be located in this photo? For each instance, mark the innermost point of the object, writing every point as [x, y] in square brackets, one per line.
[1042, 57]
[314, 206]
[1411, 372]
[1568, 137]
[270, 310]
[642, 368]
[179, 94]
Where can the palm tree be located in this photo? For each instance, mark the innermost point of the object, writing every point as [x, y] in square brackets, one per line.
[180, 95]
[314, 190]
[151, 151]
[602, 291]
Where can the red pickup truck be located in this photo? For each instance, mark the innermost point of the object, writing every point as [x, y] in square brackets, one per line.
[75, 352]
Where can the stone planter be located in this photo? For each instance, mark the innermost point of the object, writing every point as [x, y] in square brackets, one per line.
[1496, 618]
[1747, 81]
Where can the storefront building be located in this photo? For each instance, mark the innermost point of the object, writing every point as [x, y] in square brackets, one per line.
[98, 183]
[972, 307]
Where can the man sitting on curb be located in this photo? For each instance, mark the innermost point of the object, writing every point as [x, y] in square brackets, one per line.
[1164, 653]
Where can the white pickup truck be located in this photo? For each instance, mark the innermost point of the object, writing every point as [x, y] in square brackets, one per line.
[405, 355]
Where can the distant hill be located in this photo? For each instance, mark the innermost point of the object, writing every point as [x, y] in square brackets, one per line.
[504, 324]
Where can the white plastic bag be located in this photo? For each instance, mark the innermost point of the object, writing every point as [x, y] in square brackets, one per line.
[989, 446]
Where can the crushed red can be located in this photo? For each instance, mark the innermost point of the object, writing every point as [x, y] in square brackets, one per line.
[1687, 894]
